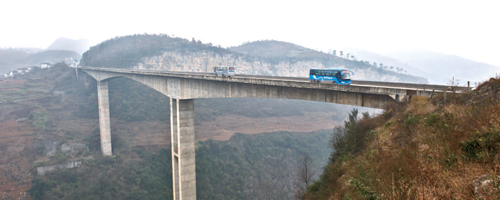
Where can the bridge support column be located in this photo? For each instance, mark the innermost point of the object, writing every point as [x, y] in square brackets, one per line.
[183, 149]
[104, 124]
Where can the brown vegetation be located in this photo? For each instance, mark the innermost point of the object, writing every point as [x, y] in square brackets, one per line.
[424, 149]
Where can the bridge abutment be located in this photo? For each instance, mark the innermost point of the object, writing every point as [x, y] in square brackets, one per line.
[104, 124]
[183, 148]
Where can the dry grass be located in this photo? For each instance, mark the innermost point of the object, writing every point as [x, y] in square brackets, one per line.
[425, 149]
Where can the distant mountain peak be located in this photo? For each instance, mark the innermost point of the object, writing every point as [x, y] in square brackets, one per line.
[274, 48]
[62, 43]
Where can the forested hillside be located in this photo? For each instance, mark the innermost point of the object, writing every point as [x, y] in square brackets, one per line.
[161, 52]
[245, 167]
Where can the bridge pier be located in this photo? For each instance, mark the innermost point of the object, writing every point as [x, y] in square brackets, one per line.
[183, 148]
[104, 124]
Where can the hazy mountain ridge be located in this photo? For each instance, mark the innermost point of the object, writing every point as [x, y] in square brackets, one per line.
[437, 67]
[78, 46]
[11, 59]
[273, 48]
[52, 56]
[442, 67]
[161, 52]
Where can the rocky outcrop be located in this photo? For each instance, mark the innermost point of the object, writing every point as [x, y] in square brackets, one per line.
[483, 186]
[73, 147]
[50, 148]
[68, 165]
[205, 61]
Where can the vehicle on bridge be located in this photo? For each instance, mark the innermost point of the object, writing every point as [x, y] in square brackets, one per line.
[224, 71]
[335, 76]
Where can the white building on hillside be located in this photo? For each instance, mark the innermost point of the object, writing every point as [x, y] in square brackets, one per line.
[44, 65]
[71, 62]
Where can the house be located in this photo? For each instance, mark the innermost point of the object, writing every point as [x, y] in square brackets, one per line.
[44, 65]
[22, 70]
[33, 68]
[12, 73]
[71, 62]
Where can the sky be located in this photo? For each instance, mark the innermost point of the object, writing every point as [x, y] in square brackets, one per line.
[465, 28]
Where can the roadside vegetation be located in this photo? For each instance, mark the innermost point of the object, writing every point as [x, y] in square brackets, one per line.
[423, 149]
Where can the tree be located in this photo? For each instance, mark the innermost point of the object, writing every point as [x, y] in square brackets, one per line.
[305, 174]
[341, 53]
[335, 52]
[392, 67]
[347, 56]
[381, 65]
[374, 64]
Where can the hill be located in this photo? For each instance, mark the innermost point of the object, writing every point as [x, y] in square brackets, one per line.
[437, 66]
[51, 56]
[14, 58]
[386, 61]
[272, 48]
[66, 44]
[11, 59]
[161, 52]
[439, 148]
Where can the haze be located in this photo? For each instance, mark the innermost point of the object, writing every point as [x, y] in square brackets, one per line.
[463, 28]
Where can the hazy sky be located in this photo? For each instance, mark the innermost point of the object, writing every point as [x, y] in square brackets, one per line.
[465, 28]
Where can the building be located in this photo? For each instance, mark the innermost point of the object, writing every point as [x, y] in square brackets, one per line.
[12, 73]
[71, 62]
[44, 65]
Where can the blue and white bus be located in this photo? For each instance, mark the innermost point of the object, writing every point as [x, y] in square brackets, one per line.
[224, 71]
[335, 76]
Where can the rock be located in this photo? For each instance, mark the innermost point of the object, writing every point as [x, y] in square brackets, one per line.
[60, 93]
[21, 119]
[50, 148]
[482, 186]
[73, 147]
[68, 165]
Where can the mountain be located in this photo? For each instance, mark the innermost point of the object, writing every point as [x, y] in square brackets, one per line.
[78, 46]
[440, 68]
[51, 56]
[272, 48]
[14, 58]
[385, 60]
[274, 58]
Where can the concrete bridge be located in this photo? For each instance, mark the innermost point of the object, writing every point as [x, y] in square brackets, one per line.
[183, 87]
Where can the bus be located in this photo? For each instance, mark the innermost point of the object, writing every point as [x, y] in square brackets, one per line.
[224, 71]
[335, 76]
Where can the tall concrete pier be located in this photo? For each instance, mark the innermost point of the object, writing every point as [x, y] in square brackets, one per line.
[104, 124]
[183, 148]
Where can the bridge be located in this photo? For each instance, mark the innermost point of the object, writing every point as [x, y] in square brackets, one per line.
[183, 87]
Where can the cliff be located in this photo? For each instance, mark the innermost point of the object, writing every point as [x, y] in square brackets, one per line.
[160, 52]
